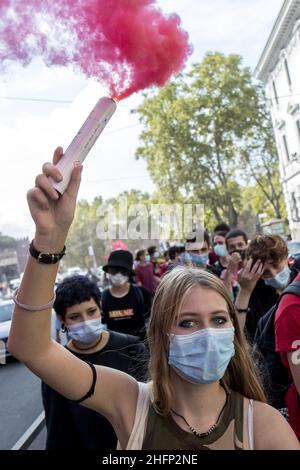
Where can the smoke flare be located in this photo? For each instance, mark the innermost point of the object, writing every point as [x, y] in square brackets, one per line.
[126, 44]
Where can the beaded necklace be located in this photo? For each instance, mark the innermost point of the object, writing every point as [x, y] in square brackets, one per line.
[202, 434]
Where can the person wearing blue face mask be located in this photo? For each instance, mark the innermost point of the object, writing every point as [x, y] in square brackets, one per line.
[220, 250]
[212, 402]
[265, 275]
[197, 247]
[69, 426]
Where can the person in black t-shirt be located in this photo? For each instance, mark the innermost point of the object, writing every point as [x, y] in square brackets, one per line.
[125, 306]
[69, 425]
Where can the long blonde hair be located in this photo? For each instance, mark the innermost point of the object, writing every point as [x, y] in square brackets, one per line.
[240, 375]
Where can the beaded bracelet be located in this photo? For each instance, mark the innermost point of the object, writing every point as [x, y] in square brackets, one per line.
[33, 308]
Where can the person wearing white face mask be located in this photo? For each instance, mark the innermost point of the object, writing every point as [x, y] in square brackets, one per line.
[125, 306]
[171, 411]
[70, 426]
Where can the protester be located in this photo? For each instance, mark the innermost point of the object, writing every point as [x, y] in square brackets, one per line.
[236, 244]
[197, 247]
[221, 227]
[174, 260]
[192, 407]
[125, 306]
[144, 272]
[265, 275]
[69, 425]
[220, 250]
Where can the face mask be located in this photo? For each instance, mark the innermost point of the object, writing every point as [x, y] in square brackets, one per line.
[147, 258]
[199, 260]
[156, 255]
[86, 331]
[118, 279]
[281, 280]
[185, 258]
[221, 251]
[202, 357]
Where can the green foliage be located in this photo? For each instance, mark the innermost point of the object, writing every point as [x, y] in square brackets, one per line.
[7, 243]
[204, 134]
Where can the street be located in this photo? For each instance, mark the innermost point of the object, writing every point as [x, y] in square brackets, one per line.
[20, 402]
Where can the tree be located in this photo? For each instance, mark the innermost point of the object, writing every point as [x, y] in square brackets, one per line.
[199, 131]
[83, 235]
[259, 159]
[7, 242]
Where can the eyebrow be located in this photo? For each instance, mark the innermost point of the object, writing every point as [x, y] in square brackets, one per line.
[78, 313]
[194, 314]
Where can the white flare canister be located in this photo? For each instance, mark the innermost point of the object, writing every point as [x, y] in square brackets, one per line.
[84, 140]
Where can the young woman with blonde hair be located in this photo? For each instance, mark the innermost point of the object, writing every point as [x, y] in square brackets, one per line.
[202, 379]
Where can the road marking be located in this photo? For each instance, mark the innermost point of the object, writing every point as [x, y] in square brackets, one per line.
[31, 433]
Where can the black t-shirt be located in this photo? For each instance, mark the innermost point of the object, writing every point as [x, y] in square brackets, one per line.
[128, 314]
[72, 426]
[262, 299]
[217, 268]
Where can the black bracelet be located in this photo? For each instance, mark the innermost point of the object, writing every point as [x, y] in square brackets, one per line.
[46, 258]
[92, 388]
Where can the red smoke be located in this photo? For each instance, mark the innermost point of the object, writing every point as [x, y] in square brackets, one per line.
[127, 44]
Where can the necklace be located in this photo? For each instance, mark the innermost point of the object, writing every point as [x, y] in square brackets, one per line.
[202, 434]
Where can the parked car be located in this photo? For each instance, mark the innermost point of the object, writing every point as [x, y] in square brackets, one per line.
[6, 311]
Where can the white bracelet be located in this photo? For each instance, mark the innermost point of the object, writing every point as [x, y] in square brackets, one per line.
[33, 308]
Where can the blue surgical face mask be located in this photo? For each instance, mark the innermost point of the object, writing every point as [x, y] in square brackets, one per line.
[86, 331]
[280, 281]
[147, 258]
[185, 258]
[199, 261]
[202, 357]
[220, 250]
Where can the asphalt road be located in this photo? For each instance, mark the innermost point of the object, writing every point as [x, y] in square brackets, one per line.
[20, 402]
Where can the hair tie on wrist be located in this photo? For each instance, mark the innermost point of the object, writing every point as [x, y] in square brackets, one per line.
[33, 308]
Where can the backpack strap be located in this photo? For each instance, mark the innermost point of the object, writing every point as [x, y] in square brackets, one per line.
[104, 296]
[293, 288]
[138, 293]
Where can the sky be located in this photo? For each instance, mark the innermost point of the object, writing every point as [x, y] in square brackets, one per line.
[32, 127]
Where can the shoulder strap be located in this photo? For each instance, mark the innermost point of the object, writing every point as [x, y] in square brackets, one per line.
[140, 296]
[293, 288]
[104, 295]
[136, 438]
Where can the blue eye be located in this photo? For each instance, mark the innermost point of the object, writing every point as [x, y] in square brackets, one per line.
[187, 324]
[220, 320]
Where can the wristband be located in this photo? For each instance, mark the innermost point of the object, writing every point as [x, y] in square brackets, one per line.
[33, 308]
[46, 258]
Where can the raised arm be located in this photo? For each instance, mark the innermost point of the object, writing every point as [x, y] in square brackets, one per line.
[30, 337]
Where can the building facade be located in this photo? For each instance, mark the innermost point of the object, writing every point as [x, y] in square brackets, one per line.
[279, 69]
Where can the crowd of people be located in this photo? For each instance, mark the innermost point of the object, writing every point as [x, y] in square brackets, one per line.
[194, 348]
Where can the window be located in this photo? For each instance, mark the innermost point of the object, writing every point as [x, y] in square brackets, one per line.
[287, 71]
[275, 92]
[286, 148]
